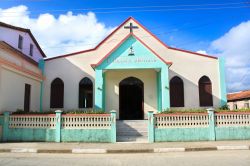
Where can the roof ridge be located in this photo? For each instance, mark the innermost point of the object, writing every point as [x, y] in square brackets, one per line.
[248, 90]
[13, 26]
[144, 28]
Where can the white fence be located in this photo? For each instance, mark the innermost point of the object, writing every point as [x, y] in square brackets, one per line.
[232, 119]
[181, 120]
[32, 121]
[88, 121]
[81, 121]
[184, 120]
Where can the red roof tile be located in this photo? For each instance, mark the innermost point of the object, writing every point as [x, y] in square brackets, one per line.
[238, 95]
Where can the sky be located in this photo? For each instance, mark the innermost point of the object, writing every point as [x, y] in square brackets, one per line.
[220, 28]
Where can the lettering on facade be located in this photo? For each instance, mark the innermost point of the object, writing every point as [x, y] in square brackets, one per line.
[127, 61]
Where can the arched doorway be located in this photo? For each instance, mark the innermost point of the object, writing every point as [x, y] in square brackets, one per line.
[56, 93]
[131, 97]
[176, 92]
[85, 93]
[205, 92]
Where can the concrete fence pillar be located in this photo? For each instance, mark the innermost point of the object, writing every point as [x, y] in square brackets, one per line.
[58, 125]
[151, 128]
[6, 117]
[113, 126]
[211, 126]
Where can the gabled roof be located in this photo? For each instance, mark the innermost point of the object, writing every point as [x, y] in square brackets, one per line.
[119, 44]
[24, 30]
[122, 24]
[19, 53]
[239, 95]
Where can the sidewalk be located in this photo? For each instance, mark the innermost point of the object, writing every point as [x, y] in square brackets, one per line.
[91, 148]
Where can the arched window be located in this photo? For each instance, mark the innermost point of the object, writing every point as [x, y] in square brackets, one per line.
[205, 91]
[56, 93]
[176, 92]
[85, 93]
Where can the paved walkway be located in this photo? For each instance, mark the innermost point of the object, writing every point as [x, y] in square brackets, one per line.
[204, 158]
[123, 147]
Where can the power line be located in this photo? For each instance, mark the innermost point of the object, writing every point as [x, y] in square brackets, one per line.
[157, 10]
[135, 7]
[145, 36]
[123, 33]
[115, 39]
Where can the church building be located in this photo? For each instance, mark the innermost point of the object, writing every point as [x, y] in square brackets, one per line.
[133, 72]
[130, 71]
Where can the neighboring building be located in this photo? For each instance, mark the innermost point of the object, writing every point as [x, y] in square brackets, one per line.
[20, 76]
[132, 71]
[239, 100]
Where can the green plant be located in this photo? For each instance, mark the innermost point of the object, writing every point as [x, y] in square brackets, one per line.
[85, 111]
[238, 110]
[172, 111]
[72, 111]
[224, 107]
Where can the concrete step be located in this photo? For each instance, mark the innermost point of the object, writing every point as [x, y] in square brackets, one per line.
[143, 129]
[132, 130]
[132, 133]
[136, 124]
[132, 139]
[131, 126]
[132, 122]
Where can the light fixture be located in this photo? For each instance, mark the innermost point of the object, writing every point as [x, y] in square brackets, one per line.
[131, 51]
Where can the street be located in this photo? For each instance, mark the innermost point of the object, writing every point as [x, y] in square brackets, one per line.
[204, 158]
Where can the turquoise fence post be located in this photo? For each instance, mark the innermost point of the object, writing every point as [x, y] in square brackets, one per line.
[58, 125]
[41, 67]
[99, 89]
[211, 126]
[223, 89]
[165, 98]
[6, 116]
[151, 127]
[113, 126]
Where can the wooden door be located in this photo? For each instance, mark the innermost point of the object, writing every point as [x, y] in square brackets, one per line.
[27, 97]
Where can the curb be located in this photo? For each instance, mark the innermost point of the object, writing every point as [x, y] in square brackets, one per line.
[23, 150]
[239, 147]
[130, 151]
[165, 150]
[105, 151]
[190, 149]
[88, 151]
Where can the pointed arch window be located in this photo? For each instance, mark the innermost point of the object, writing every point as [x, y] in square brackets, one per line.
[85, 93]
[176, 92]
[56, 93]
[205, 92]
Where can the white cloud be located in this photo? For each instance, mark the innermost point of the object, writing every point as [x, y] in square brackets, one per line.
[73, 32]
[59, 35]
[202, 51]
[235, 47]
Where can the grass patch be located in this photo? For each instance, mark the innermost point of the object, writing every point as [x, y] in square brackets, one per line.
[52, 111]
[174, 111]
[218, 110]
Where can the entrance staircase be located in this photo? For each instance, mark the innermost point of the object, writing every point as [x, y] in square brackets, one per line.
[132, 130]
